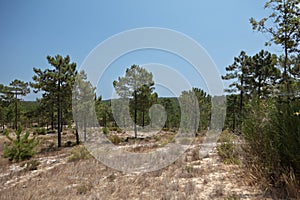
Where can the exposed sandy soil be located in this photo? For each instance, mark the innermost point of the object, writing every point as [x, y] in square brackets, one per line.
[188, 178]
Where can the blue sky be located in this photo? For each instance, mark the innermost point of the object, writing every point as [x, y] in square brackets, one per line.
[33, 29]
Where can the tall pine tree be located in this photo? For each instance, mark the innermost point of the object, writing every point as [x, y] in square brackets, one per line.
[57, 86]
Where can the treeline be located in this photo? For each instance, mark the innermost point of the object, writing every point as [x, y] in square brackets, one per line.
[62, 84]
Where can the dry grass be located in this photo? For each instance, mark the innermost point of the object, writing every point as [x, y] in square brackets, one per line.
[187, 178]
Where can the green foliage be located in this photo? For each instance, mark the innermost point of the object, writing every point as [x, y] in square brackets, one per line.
[256, 130]
[227, 150]
[105, 130]
[264, 75]
[79, 153]
[83, 97]
[282, 24]
[103, 112]
[9, 101]
[253, 77]
[272, 133]
[57, 85]
[136, 87]
[285, 133]
[40, 131]
[283, 27]
[22, 147]
[172, 109]
[204, 101]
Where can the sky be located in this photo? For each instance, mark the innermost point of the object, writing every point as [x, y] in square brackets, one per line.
[33, 29]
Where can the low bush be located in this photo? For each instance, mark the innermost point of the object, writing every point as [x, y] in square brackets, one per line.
[79, 153]
[105, 130]
[40, 131]
[115, 139]
[271, 130]
[21, 147]
[227, 149]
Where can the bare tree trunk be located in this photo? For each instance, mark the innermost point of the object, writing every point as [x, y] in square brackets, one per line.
[59, 112]
[16, 111]
[135, 114]
[76, 132]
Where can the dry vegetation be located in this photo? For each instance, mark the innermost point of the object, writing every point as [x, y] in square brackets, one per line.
[71, 173]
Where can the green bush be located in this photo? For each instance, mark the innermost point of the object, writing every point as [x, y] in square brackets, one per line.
[22, 147]
[272, 133]
[227, 150]
[79, 153]
[40, 131]
[272, 130]
[105, 130]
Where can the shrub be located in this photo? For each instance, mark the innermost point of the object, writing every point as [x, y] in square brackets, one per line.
[227, 150]
[105, 130]
[79, 153]
[272, 130]
[40, 131]
[21, 147]
[115, 139]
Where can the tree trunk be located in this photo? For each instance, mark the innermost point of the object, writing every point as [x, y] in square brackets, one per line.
[241, 94]
[52, 117]
[234, 114]
[135, 114]
[16, 111]
[143, 116]
[76, 132]
[285, 73]
[58, 112]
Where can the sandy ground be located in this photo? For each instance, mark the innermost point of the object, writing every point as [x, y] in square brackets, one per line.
[188, 178]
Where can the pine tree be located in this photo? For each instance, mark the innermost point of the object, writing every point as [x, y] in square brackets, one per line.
[83, 104]
[15, 89]
[22, 147]
[264, 73]
[238, 72]
[283, 24]
[145, 98]
[204, 101]
[57, 85]
[130, 87]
